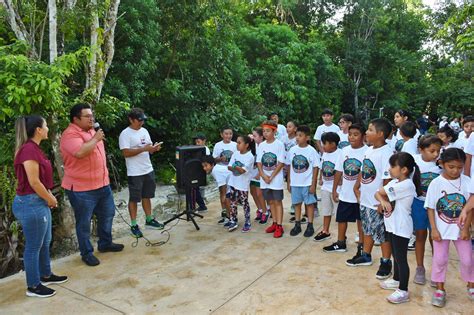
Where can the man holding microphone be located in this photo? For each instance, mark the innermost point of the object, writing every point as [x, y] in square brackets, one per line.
[86, 182]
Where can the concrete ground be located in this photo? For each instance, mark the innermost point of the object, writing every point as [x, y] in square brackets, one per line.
[214, 271]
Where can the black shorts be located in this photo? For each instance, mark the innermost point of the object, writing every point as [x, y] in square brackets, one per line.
[347, 212]
[272, 194]
[142, 186]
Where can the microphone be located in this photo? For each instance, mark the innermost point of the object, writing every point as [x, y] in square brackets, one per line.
[96, 126]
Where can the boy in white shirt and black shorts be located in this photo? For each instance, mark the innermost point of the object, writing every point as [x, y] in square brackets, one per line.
[136, 146]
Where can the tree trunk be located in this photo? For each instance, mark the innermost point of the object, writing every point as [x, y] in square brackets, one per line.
[17, 25]
[108, 45]
[91, 77]
[53, 44]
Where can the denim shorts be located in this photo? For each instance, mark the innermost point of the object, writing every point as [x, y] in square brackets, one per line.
[419, 215]
[302, 194]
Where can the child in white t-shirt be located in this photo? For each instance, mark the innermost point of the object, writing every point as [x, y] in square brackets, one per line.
[445, 199]
[448, 136]
[222, 152]
[200, 140]
[463, 136]
[408, 133]
[348, 168]
[289, 140]
[281, 129]
[327, 126]
[263, 211]
[401, 116]
[374, 175]
[224, 149]
[221, 175]
[429, 147]
[398, 222]
[241, 165]
[469, 150]
[270, 161]
[303, 162]
[329, 159]
[345, 123]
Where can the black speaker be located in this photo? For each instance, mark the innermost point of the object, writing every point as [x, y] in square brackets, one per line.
[189, 171]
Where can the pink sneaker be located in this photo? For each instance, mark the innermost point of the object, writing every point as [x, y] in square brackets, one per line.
[259, 215]
[399, 296]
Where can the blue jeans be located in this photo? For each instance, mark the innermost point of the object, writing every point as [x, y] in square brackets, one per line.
[35, 218]
[86, 203]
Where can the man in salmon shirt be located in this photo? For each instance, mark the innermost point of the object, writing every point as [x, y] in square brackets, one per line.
[86, 182]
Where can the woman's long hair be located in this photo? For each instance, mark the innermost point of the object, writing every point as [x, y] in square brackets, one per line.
[25, 128]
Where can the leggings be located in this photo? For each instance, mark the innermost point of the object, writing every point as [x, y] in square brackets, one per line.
[441, 257]
[236, 197]
[401, 270]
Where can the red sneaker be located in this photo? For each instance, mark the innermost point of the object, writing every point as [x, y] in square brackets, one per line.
[272, 228]
[278, 232]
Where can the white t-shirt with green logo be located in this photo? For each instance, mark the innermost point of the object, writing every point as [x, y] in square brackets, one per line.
[302, 162]
[237, 180]
[224, 149]
[270, 154]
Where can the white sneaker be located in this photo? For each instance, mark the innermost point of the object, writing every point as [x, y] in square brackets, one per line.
[470, 292]
[399, 296]
[411, 242]
[389, 284]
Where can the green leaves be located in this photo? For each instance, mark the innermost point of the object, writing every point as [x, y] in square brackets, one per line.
[33, 86]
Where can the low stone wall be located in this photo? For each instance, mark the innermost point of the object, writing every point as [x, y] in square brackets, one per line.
[165, 205]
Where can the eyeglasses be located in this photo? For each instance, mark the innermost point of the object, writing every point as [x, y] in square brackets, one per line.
[88, 116]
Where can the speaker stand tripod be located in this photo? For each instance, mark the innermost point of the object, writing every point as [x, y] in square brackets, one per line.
[188, 212]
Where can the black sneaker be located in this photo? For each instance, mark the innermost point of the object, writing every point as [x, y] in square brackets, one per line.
[350, 262]
[385, 270]
[309, 231]
[113, 247]
[338, 247]
[223, 221]
[53, 279]
[201, 209]
[90, 260]
[292, 219]
[135, 231]
[363, 260]
[304, 220]
[40, 291]
[154, 225]
[322, 236]
[296, 230]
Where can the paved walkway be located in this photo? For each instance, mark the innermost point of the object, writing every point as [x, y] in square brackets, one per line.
[214, 271]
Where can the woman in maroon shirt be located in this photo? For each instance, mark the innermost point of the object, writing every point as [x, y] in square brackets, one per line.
[32, 204]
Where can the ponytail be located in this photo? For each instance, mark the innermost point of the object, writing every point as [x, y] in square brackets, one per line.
[25, 128]
[404, 159]
[20, 133]
[417, 180]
